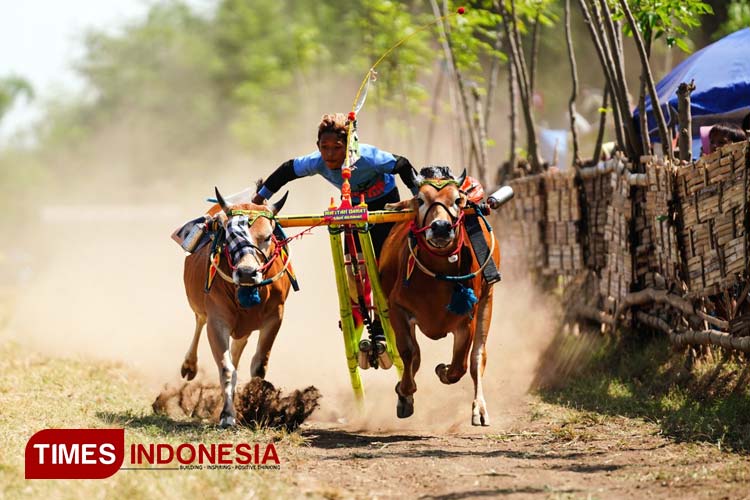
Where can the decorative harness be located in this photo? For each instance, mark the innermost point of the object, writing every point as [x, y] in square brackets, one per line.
[416, 235]
[463, 298]
[234, 247]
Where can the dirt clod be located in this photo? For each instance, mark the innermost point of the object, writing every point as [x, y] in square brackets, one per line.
[258, 403]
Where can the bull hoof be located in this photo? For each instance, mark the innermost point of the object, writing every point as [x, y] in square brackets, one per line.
[479, 415]
[442, 372]
[189, 370]
[478, 420]
[405, 405]
[227, 421]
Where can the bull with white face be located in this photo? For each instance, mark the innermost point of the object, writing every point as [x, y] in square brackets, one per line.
[247, 295]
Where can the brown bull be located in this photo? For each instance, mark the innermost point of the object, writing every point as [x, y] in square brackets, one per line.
[232, 308]
[440, 248]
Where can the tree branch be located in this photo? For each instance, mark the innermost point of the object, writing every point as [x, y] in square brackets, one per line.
[663, 134]
[574, 79]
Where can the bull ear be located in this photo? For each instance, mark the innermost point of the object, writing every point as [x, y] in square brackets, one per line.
[461, 178]
[410, 204]
[220, 200]
[276, 207]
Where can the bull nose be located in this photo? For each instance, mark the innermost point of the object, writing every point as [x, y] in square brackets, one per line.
[440, 228]
[246, 274]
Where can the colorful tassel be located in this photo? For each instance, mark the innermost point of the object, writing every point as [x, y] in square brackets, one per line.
[462, 300]
[248, 296]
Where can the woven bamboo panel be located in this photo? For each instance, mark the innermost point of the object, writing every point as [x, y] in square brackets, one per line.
[658, 252]
[712, 195]
[522, 221]
[598, 195]
[617, 274]
[563, 215]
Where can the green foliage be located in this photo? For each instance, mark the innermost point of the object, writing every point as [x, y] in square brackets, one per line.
[667, 19]
[738, 17]
[530, 11]
[473, 35]
[11, 88]
[156, 72]
[382, 25]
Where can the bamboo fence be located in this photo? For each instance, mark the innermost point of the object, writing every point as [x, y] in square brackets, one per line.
[667, 248]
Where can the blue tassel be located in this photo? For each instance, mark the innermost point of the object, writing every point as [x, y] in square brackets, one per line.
[248, 296]
[462, 300]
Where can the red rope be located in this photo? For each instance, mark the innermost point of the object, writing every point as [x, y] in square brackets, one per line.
[302, 233]
[419, 233]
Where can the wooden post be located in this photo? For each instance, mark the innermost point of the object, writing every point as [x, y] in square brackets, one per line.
[685, 120]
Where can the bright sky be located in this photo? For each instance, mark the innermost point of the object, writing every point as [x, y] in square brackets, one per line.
[39, 40]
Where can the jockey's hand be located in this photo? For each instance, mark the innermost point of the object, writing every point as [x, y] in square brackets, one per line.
[258, 199]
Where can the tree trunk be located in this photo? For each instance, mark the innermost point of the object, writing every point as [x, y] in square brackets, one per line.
[523, 82]
[686, 125]
[474, 145]
[433, 113]
[534, 56]
[492, 85]
[481, 129]
[643, 119]
[574, 79]
[513, 91]
[663, 134]
[602, 125]
[596, 38]
[616, 60]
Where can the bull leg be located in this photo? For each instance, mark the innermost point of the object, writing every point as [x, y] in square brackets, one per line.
[461, 343]
[218, 338]
[236, 348]
[408, 349]
[268, 332]
[190, 365]
[479, 414]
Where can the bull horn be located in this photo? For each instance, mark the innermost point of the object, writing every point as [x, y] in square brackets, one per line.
[461, 178]
[220, 200]
[276, 207]
[414, 177]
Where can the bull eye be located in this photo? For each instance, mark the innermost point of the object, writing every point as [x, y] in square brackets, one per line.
[420, 201]
[268, 239]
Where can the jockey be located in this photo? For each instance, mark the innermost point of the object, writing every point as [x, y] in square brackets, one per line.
[372, 177]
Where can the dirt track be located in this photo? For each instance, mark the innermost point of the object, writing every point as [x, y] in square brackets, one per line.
[547, 452]
[531, 450]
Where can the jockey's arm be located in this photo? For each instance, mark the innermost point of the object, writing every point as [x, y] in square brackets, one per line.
[275, 181]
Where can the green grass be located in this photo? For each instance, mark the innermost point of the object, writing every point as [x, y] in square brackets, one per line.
[38, 392]
[703, 398]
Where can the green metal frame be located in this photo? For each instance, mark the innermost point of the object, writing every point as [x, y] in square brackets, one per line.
[380, 300]
[352, 334]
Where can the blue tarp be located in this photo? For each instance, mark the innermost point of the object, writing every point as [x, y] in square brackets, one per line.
[722, 84]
